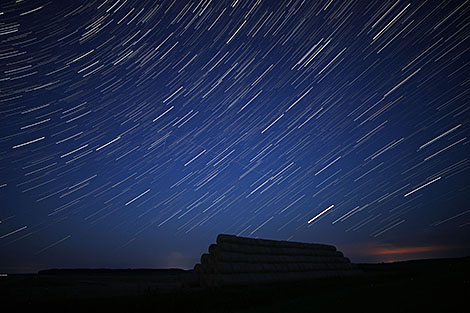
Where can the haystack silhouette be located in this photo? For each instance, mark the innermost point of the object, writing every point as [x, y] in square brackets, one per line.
[240, 260]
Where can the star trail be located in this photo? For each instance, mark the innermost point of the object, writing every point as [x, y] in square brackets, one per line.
[133, 132]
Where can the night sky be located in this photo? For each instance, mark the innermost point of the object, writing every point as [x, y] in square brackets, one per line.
[133, 132]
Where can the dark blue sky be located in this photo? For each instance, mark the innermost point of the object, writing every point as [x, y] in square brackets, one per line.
[133, 132]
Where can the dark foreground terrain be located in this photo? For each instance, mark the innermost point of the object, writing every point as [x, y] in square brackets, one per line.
[438, 285]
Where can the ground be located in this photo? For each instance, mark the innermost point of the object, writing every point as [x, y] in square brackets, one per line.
[441, 285]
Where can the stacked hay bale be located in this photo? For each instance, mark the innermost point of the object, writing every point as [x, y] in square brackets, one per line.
[239, 260]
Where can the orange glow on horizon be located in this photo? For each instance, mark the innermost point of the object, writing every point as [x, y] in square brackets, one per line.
[406, 250]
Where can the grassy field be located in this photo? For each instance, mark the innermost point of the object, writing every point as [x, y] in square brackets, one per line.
[417, 286]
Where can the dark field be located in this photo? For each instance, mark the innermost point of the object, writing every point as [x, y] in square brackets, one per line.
[439, 285]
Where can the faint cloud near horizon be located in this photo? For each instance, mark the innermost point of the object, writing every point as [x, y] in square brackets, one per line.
[178, 260]
[395, 250]
[382, 252]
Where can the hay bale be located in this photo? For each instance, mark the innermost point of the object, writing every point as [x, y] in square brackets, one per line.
[224, 267]
[262, 278]
[223, 256]
[223, 238]
[339, 266]
[205, 258]
[207, 269]
[238, 260]
[251, 249]
[316, 267]
[213, 248]
[232, 268]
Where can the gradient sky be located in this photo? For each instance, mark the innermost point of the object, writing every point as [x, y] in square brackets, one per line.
[133, 132]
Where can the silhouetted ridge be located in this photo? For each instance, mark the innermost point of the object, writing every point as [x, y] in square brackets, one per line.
[108, 271]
